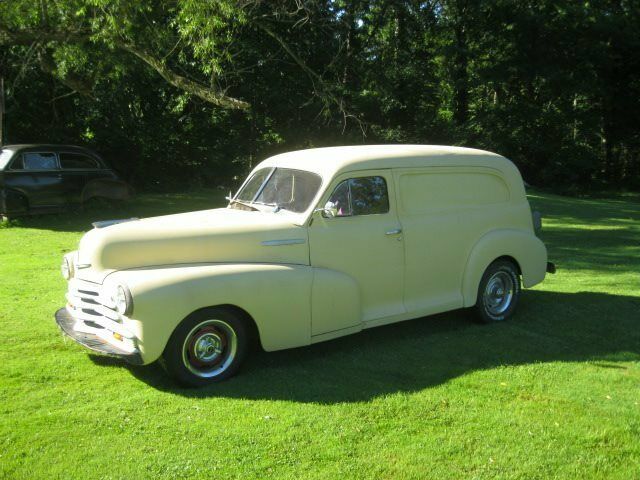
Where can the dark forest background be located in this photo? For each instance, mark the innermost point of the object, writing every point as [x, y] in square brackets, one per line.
[181, 94]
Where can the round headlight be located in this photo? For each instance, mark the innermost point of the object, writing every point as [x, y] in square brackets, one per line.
[66, 268]
[122, 300]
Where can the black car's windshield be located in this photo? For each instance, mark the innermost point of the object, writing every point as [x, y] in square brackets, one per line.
[5, 156]
[281, 188]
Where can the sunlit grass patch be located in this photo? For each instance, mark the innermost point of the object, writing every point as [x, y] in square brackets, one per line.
[554, 393]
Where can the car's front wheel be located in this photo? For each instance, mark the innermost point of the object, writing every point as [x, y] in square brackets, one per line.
[208, 346]
[498, 292]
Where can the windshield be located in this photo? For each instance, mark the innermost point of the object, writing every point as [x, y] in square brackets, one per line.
[281, 188]
[5, 156]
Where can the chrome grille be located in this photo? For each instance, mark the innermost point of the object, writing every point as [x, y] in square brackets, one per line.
[85, 302]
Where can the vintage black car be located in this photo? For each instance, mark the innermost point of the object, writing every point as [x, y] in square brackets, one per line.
[46, 178]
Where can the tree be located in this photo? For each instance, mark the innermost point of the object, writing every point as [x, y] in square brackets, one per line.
[216, 85]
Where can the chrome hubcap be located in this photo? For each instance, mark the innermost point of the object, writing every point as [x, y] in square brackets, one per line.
[499, 293]
[209, 348]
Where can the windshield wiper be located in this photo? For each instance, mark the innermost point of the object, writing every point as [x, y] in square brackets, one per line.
[276, 206]
[242, 202]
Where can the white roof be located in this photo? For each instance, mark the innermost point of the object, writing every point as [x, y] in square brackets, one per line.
[329, 161]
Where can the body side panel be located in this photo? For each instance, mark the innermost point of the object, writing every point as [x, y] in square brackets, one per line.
[434, 204]
[444, 212]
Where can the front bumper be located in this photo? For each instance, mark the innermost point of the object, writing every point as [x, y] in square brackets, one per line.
[92, 341]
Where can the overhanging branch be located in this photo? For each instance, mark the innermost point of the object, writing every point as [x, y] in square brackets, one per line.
[210, 95]
[183, 83]
[320, 87]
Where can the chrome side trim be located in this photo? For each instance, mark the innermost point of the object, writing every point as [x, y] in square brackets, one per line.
[284, 241]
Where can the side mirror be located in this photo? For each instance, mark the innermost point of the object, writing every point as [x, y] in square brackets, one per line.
[328, 211]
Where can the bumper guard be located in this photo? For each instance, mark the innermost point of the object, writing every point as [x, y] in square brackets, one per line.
[66, 322]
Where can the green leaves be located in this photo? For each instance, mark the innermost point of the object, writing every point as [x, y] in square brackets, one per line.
[552, 85]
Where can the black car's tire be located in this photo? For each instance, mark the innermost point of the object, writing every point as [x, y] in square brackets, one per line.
[498, 292]
[207, 347]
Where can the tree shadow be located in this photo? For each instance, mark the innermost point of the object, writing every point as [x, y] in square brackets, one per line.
[606, 250]
[423, 353]
[571, 210]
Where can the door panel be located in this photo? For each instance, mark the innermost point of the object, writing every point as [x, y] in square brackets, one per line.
[77, 170]
[36, 175]
[367, 247]
[436, 255]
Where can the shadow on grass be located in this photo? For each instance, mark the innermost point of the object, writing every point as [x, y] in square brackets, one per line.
[591, 210]
[414, 355]
[606, 250]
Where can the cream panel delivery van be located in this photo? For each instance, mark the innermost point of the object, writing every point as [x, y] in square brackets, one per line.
[316, 244]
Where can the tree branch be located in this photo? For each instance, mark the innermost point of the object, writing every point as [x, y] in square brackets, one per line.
[312, 75]
[199, 90]
[320, 87]
[210, 95]
[27, 37]
[71, 80]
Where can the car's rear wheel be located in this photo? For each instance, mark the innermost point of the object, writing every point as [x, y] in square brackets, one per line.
[498, 292]
[208, 346]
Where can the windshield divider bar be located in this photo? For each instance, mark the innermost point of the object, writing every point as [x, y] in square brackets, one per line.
[264, 184]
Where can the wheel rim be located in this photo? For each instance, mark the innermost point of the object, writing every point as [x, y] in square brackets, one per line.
[498, 293]
[209, 348]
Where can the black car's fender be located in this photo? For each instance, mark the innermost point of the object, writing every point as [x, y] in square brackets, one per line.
[12, 201]
[109, 188]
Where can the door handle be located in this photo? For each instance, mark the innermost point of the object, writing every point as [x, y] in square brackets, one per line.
[395, 231]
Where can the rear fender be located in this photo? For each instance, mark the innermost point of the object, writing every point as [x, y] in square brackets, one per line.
[108, 188]
[524, 247]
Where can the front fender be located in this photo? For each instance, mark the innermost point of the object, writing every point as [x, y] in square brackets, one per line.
[13, 201]
[276, 296]
[527, 249]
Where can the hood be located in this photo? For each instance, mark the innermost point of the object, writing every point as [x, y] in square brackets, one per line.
[208, 236]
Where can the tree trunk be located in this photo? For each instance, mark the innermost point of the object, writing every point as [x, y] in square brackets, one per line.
[1, 111]
[460, 69]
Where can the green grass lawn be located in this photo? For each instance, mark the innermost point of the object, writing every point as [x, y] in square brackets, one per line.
[553, 393]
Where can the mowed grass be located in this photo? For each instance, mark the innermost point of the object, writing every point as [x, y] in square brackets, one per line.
[553, 393]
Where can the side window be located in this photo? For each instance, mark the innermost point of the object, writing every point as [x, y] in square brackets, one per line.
[361, 196]
[38, 161]
[78, 160]
[369, 195]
